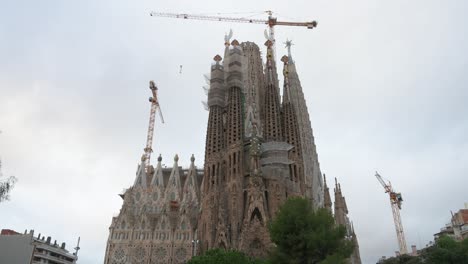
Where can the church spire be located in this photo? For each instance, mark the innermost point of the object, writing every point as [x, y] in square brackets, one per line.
[158, 179]
[270, 63]
[341, 209]
[272, 112]
[288, 44]
[327, 199]
[291, 131]
[341, 218]
[313, 180]
[286, 88]
[216, 102]
[340, 213]
[227, 46]
[234, 122]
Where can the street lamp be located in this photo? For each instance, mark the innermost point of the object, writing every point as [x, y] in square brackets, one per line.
[194, 245]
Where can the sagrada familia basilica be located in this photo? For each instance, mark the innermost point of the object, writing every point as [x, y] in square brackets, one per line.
[259, 151]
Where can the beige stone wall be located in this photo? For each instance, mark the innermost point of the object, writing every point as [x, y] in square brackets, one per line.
[158, 221]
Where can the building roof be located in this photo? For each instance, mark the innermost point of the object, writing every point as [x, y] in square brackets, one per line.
[8, 232]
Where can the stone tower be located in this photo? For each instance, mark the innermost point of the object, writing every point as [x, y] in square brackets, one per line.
[341, 218]
[326, 197]
[257, 150]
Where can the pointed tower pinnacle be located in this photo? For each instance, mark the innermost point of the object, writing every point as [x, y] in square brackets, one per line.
[341, 210]
[327, 199]
[227, 44]
[270, 62]
[286, 88]
[288, 44]
[227, 38]
[158, 179]
[272, 113]
[291, 131]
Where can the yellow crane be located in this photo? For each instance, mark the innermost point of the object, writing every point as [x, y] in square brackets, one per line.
[395, 201]
[149, 139]
[271, 21]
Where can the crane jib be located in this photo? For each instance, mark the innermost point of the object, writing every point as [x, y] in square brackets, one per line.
[272, 21]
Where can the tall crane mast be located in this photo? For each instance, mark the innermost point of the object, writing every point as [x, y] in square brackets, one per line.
[395, 201]
[271, 22]
[149, 139]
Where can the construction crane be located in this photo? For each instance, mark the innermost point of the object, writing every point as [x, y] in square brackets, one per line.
[271, 22]
[149, 139]
[77, 248]
[395, 201]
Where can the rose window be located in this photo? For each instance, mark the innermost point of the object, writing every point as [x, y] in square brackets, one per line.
[160, 253]
[181, 254]
[119, 254]
[140, 254]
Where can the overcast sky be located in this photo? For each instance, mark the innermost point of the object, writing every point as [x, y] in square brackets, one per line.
[385, 83]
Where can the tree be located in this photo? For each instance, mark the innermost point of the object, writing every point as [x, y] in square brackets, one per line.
[445, 251]
[6, 186]
[217, 255]
[403, 259]
[448, 251]
[305, 236]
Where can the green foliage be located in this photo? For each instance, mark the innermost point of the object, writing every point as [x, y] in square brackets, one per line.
[5, 187]
[445, 251]
[448, 251]
[216, 256]
[403, 259]
[303, 235]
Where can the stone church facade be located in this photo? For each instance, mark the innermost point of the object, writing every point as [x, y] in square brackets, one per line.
[158, 219]
[259, 151]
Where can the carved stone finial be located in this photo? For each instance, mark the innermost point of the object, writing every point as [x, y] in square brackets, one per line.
[235, 42]
[227, 38]
[159, 158]
[176, 158]
[285, 59]
[217, 58]
[152, 85]
[143, 157]
[192, 159]
[268, 43]
[288, 44]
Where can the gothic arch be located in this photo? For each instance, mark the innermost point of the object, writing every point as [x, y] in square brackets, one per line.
[222, 245]
[256, 203]
[256, 214]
